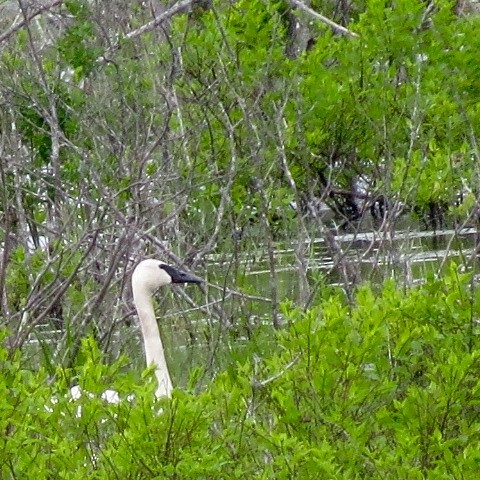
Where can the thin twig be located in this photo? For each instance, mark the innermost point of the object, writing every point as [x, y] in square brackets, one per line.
[28, 16]
[179, 7]
[245, 296]
[338, 28]
[259, 384]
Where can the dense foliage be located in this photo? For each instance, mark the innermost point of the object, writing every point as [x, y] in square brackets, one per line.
[214, 133]
[387, 389]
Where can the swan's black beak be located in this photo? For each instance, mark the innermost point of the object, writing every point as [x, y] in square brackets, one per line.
[178, 276]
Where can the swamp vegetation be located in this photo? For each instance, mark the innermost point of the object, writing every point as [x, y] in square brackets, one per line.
[321, 172]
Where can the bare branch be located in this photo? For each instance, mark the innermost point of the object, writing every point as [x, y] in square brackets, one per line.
[177, 8]
[27, 18]
[338, 28]
[244, 296]
[263, 383]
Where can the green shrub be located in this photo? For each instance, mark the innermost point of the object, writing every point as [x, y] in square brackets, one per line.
[386, 389]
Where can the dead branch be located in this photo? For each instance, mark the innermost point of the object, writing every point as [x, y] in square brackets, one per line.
[336, 27]
[179, 7]
[28, 16]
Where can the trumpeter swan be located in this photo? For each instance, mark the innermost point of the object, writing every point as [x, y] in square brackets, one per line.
[147, 277]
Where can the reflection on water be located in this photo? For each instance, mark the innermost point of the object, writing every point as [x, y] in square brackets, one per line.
[378, 255]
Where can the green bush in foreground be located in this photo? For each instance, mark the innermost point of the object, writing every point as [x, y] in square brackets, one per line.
[387, 389]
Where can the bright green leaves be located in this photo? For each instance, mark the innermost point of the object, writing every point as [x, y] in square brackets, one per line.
[189, 140]
[400, 370]
[388, 386]
[400, 87]
[77, 46]
[426, 178]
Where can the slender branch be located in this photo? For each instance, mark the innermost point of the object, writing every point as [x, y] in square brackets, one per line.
[8, 213]
[259, 384]
[245, 296]
[301, 243]
[338, 28]
[23, 333]
[27, 18]
[177, 8]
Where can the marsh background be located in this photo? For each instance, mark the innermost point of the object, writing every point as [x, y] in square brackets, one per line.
[322, 178]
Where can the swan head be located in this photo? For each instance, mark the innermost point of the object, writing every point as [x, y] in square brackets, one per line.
[152, 274]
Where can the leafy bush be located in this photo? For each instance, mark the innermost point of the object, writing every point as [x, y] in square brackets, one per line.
[387, 388]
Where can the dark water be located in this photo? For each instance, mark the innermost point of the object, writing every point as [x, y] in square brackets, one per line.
[407, 256]
[194, 338]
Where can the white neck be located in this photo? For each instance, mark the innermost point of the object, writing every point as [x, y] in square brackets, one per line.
[154, 353]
